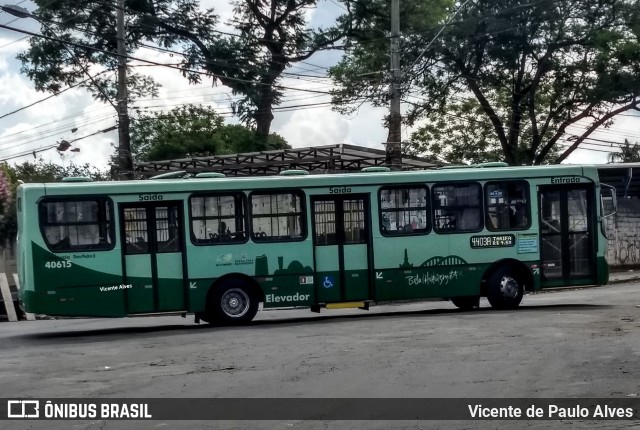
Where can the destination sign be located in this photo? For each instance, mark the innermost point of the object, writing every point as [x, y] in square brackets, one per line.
[496, 241]
[568, 180]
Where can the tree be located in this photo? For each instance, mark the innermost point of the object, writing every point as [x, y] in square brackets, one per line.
[193, 131]
[8, 224]
[628, 153]
[271, 35]
[46, 171]
[515, 80]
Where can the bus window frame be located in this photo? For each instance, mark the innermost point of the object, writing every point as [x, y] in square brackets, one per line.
[209, 242]
[303, 214]
[528, 205]
[428, 209]
[434, 208]
[110, 224]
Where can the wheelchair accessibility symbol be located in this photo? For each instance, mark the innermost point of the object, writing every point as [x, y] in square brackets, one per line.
[327, 282]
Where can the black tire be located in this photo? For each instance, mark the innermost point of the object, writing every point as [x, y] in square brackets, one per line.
[233, 303]
[466, 303]
[505, 288]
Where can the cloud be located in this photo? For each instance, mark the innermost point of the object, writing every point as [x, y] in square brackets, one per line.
[315, 127]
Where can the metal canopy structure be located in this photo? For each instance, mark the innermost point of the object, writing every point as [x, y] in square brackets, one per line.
[318, 159]
[625, 177]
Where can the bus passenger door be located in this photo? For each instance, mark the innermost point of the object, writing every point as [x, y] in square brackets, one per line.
[566, 235]
[152, 246]
[341, 248]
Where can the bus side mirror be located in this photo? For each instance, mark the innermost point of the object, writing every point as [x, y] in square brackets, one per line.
[608, 204]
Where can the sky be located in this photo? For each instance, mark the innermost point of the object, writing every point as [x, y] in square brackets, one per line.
[43, 125]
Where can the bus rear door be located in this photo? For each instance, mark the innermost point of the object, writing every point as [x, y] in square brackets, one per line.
[152, 249]
[567, 234]
[341, 248]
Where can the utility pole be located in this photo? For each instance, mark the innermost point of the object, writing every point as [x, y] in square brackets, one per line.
[125, 162]
[394, 138]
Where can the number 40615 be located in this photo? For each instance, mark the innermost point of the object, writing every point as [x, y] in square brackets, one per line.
[57, 264]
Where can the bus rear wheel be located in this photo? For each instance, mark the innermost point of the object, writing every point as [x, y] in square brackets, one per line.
[466, 303]
[233, 302]
[505, 288]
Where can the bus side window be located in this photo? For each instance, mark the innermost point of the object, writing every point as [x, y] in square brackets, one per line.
[403, 210]
[277, 216]
[507, 205]
[76, 224]
[457, 207]
[218, 218]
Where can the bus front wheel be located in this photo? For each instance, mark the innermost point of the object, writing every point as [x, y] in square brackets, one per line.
[233, 302]
[466, 303]
[505, 289]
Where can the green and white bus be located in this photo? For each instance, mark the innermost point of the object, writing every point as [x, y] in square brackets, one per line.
[218, 247]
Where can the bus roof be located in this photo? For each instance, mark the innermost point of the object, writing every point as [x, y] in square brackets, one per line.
[328, 180]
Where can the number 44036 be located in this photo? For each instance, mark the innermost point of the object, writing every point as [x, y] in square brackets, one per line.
[57, 264]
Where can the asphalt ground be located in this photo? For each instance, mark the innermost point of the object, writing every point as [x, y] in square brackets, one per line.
[571, 343]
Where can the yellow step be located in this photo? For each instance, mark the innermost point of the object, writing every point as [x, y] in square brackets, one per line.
[345, 305]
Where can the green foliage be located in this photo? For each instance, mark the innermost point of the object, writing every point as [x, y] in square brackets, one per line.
[628, 153]
[193, 131]
[238, 139]
[6, 194]
[269, 36]
[443, 136]
[43, 171]
[525, 82]
[363, 74]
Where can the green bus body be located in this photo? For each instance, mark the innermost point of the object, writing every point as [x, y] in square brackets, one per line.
[330, 239]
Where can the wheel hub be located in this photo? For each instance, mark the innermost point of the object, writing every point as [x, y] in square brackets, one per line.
[509, 287]
[235, 302]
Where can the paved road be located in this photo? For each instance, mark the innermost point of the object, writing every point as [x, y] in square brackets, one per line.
[571, 343]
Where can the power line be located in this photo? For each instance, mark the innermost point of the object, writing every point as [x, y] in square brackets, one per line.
[34, 152]
[560, 141]
[132, 12]
[56, 130]
[525, 121]
[78, 45]
[49, 3]
[48, 123]
[52, 133]
[48, 97]
[280, 109]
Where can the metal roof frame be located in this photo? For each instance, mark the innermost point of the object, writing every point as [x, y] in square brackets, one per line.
[316, 159]
[625, 177]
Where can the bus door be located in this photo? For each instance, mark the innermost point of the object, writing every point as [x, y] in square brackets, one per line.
[152, 246]
[342, 253]
[566, 234]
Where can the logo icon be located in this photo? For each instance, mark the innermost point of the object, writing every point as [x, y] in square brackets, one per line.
[23, 409]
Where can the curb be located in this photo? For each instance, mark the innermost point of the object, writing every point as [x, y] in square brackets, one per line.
[634, 278]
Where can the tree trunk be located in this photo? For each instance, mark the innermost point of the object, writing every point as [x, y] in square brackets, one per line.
[264, 104]
[263, 118]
